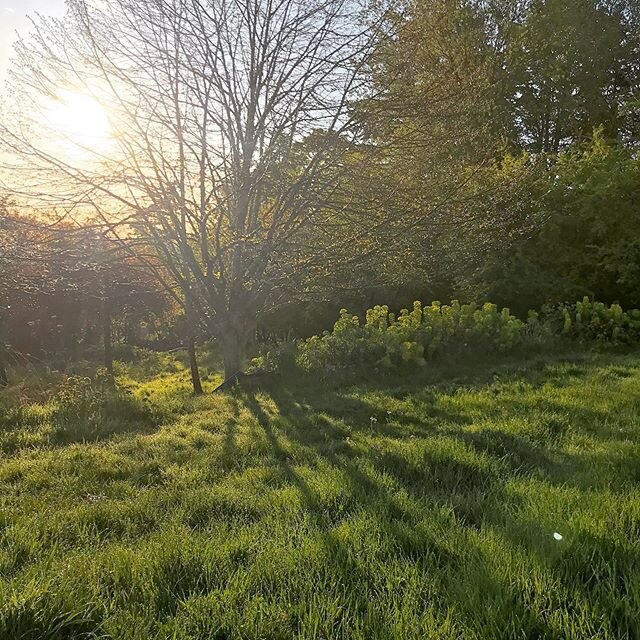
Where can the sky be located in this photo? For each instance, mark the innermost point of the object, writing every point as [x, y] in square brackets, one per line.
[13, 17]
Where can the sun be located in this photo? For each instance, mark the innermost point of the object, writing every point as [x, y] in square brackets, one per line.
[79, 123]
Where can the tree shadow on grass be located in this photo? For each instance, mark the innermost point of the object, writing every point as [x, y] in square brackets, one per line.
[229, 448]
[320, 422]
[346, 566]
[431, 484]
[537, 448]
[476, 495]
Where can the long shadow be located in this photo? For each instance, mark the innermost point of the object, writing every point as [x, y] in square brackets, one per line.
[431, 484]
[536, 452]
[317, 422]
[229, 444]
[477, 496]
[477, 373]
[434, 480]
[348, 569]
[522, 454]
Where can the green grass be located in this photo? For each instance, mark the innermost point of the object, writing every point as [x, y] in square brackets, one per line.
[412, 509]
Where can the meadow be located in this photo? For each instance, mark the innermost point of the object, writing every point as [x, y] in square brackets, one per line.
[232, 405]
[495, 500]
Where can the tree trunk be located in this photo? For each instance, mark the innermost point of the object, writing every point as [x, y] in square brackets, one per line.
[232, 358]
[234, 345]
[107, 337]
[4, 379]
[193, 365]
[191, 349]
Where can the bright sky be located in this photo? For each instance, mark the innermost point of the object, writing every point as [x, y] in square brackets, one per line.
[13, 17]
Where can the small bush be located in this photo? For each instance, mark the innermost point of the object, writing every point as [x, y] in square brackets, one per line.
[74, 408]
[594, 322]
[143, 364]
[386, 342]
[279, 357]
[414, 337]
[86, 408]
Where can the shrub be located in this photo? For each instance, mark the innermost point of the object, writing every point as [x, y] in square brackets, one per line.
[279, 357]
[71, 409]
[383, 341]
[143, 364]
[594, 322]
[414, 337]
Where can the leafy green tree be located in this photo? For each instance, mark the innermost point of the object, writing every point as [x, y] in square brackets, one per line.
[572, 66]
[437, 123]
[583, 233]
[484, 103]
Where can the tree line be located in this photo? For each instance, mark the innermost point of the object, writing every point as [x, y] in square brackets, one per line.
[272, 161]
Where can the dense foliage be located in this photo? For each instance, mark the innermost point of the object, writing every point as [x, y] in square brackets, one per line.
[508, 133]
[384, 342]
[595, 322]
[576, 232]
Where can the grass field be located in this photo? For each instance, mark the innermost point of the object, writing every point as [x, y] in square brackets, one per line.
[413, 509]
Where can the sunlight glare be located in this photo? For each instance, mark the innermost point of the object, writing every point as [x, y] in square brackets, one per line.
[80, 123]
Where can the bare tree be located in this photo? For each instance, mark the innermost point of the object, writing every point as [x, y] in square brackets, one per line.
[209, 104]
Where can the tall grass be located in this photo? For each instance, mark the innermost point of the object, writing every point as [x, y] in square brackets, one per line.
[424, 509]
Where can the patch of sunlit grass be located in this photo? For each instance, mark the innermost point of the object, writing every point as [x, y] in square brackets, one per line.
[289, 512]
